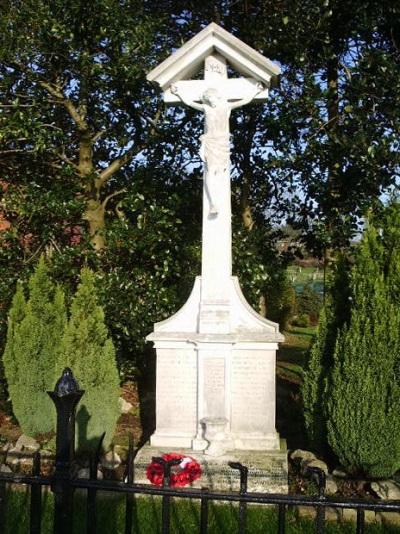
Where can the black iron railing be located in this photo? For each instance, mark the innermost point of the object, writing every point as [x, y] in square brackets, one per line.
[63, 485]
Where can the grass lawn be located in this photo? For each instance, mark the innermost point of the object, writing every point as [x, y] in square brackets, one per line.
[300, 276]
[292, 353]
[289, 370]
[223, 518]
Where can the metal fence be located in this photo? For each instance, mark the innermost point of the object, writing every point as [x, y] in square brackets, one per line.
[63, 484]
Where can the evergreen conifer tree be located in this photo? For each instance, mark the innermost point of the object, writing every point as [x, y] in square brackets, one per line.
[15, 317]
[334, 314]
[31, 355]
[90, 353]
[363, 391]
[313, 386]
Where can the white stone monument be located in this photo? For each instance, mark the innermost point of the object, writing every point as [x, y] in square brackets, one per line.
[215, 385]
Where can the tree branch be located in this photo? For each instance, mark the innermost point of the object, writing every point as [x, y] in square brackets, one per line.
[323, 126]
[80, 122]
[66, 159]
[346, 70]
[114, 166]
[98, 134]
[15, 106]
[45, 125]
[109, 197]
[153, 122]
[16, 151]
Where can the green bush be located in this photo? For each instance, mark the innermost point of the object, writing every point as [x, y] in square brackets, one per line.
[41, 342]
[302, 320]
[351, 388]
[88, 350]
[281, 300]
[334, 314]
[32, 351]
[313, 388]
[363, 390]
[309, 303]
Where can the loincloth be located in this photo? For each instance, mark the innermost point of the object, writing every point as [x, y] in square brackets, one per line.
[215, 151]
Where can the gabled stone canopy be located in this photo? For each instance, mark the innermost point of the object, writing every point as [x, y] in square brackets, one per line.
[189, 59]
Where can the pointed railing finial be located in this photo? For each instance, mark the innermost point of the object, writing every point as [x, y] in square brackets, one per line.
[66, 384]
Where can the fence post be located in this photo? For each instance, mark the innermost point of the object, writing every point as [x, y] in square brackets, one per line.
[91, 516]
[36, 498]
[3, 505]
[65, 396]
[244, 473]
[203, 512]
[166, 499]
[128, 479]
[318, 475]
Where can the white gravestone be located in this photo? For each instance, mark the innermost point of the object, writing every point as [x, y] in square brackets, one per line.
[216, 355]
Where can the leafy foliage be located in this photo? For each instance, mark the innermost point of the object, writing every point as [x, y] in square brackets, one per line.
[313, 389]
[41, 343]
[95, 172]
[260, 268]
[281, 299]
[77, 111]
[328, 139]
[302, 320]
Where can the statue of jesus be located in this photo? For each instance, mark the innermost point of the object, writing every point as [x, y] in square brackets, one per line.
[215, 149]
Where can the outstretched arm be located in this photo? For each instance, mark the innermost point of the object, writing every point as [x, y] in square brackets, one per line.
[259, 87]
[175, 91]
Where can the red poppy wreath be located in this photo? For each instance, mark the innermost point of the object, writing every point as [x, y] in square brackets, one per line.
[181, 475]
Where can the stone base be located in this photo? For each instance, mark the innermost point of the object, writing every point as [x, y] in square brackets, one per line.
[268, 470]
[159, 440]
[243, 442]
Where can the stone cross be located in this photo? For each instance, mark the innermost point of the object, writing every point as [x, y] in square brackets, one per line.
[215, 356]
[216, 96]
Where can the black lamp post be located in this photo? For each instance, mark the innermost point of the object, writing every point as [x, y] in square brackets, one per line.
[66, 396]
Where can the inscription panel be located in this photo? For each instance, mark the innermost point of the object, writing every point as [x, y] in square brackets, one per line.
[253, 392]
[176, 391]
[214, 387]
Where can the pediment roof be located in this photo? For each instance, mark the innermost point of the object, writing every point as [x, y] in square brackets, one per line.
[185, 62]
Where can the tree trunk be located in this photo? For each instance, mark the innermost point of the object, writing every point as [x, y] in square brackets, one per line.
[245, 205]
[333, 118]
[262, 306]
[332, 105]
[94, 214]
[247, 215]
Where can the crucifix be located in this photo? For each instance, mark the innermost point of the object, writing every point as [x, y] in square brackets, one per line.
[217, 107]
[216, 355]
[216, 96]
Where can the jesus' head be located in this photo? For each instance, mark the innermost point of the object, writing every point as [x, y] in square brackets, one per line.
[212, 97]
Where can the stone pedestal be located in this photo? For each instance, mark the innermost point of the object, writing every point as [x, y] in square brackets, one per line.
[268, 470]
[229, 376]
